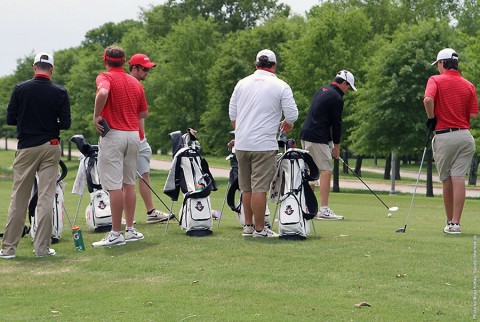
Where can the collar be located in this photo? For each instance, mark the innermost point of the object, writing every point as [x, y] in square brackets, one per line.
[117, 69]
[41, 75]
[336, 87]
[451, 72]
[266, 72]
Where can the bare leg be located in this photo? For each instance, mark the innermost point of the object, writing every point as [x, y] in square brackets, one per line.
[458, 184]
[116, 207]
[145, 191]
[324, 187]
[247, 207]
[129, 198]
[259, 205]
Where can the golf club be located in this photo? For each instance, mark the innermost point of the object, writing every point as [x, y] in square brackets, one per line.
[391, 209]
[404, 228]
[171, 216]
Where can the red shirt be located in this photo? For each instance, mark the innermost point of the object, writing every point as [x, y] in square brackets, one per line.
[126, 99]
[455, 99]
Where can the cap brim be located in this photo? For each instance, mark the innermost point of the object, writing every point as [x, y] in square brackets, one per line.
[434, 62]
[149, 65]
[353, 87]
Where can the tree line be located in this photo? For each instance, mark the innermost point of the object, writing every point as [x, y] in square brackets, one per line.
[202, 48]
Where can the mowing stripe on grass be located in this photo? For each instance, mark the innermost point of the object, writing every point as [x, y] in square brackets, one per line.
[474, 277]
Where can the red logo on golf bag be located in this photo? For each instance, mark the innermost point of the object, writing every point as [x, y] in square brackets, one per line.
[289, 210]
[199, 206]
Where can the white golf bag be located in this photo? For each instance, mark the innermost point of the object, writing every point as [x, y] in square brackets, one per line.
[57, 209]
[290, 188]
[98, 215]
[191, 175]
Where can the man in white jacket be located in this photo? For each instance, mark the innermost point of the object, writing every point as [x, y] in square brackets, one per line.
[256, 107]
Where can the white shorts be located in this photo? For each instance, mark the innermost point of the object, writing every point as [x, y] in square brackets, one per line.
[144, 156]
[321, 154]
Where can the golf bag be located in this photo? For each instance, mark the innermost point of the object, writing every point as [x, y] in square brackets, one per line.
[190, 174]
[57, 210]
[291, 189]
[97, 214]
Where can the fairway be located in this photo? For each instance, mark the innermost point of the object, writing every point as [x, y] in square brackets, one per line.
[421, 275]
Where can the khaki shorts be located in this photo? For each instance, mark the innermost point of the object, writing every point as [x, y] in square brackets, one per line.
[117, 159]
[144, 156]
[453, 153]
[321, 154]
[256, 170]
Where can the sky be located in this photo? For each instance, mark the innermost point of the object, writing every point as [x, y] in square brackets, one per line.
[32, 26]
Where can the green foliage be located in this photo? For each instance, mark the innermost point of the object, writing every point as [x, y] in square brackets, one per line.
[389, 109]
[110, 33]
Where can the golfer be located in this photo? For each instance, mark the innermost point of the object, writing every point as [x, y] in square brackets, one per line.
[321, 133]
[450, 101]
[140, 66]
[255, 110]
[39, 109]
[120, 101]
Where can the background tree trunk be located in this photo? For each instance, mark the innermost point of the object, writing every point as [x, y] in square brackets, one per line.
[345, 158]
[388, 167]
[336, 181]
[358, 166]
[472, 176]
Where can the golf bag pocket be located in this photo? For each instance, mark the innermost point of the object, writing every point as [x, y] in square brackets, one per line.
[98, 214]
[57, 214]
[196, 216]
[291, 223]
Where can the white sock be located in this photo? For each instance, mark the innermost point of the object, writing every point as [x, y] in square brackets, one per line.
[129, 228]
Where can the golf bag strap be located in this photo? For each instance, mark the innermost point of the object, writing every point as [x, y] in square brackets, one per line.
[313, 173]
[310, 201]
[205, 192]
[91, 186]
[63, 172]
[205, 168]
[231, 196]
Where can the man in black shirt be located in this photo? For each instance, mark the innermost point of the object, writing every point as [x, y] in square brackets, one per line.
[39, 109]
[321, 133]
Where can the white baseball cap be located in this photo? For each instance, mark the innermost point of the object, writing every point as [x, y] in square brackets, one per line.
[270, 54]
[346, 75]
[447, 53]
[43, 58]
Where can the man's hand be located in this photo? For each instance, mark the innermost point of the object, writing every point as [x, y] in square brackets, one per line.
[431, 123]
[285, 127]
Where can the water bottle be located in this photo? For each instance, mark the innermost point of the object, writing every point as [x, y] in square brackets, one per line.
[77, 238]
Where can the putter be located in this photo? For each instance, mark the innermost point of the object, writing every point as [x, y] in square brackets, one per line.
[391, 209]
[404, 228]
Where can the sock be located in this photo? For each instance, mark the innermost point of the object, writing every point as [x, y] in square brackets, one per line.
[129, 228]
[150, 212]
[323, 208]
[116, 233]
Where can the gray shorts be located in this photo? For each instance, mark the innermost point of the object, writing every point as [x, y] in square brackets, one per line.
[144, 156]
[453, 153]
[321, 154]
[117, 159]
[256, 170]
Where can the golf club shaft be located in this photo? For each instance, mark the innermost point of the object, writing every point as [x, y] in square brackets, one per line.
[151, 189]
[364, 183]
[223, 205]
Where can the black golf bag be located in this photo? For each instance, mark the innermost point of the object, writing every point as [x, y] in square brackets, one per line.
[97, 214]
[191, 175]
[291, 190]
[57, 210]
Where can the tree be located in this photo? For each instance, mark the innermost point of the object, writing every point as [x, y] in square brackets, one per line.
[180, 88]
[110, 33]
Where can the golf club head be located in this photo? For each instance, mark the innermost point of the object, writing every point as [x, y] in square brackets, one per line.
[401, 230]
[393, 209]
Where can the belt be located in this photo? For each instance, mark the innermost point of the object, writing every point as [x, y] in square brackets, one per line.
[446, 131]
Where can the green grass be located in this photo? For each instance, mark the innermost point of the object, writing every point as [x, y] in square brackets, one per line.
[422, 275]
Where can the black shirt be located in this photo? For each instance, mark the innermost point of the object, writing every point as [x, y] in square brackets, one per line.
[39, 109]
[324, 118]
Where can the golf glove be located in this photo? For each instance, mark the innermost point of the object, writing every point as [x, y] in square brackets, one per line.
[431, 123]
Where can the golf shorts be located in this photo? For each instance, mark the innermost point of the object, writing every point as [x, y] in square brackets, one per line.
[321, 154]
[255, 170]
[117, 159]
[453, 153]
[144, 156]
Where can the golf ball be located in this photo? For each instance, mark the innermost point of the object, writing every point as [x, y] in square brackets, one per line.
[389, 215]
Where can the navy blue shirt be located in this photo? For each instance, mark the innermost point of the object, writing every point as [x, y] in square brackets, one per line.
[324, 118]
[40, 109]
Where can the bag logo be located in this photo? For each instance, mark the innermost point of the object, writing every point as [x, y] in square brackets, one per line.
[289, 210]
[199, 206]
[102, 205]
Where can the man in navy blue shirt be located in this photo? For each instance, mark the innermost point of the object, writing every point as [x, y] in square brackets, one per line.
[322, 130]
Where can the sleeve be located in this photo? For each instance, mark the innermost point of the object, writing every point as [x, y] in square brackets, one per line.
[431, 90]
[64, 116]
[474, 102]
[12, 109]
[232, 107]
[102, 81]
[142, 104]
[289, 107]
[336, 115]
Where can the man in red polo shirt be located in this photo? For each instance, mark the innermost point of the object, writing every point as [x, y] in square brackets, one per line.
[450, 101]
[120, 101]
